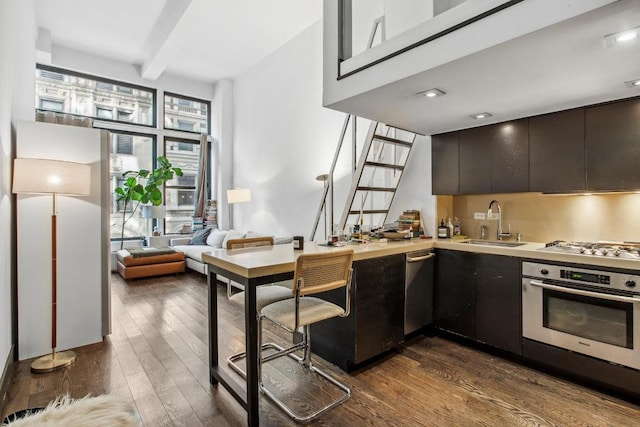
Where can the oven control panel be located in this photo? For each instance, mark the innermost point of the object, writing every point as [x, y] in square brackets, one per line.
[603, 279]
[596, 278]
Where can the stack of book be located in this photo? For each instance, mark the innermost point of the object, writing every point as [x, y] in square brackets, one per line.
[211, 214]
[196, 223]
[410, 220]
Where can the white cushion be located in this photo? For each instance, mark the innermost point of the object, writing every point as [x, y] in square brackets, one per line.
[193, 251]
[216, 237]
[265, 295]
[232, 235]
[312, 310]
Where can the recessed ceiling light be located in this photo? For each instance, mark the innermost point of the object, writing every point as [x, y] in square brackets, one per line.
[621, 37]
[432, 93]
[480, 116]
[632, 83]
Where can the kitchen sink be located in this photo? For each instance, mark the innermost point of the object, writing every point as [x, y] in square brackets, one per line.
[495, 243]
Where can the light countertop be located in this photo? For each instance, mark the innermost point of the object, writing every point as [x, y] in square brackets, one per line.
[256, 262]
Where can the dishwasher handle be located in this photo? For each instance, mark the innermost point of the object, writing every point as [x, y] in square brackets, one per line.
[421, 258]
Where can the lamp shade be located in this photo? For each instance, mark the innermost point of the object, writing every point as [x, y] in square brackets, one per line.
[238, 195]
[51, 176]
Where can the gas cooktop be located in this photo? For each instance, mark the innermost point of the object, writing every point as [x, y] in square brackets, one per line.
[625, 250]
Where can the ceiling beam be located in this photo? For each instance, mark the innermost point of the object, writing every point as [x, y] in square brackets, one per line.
[162, 42]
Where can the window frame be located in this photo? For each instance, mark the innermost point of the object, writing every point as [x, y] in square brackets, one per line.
[154, 94]
[154, 164]
[192, 141]
[188, 98]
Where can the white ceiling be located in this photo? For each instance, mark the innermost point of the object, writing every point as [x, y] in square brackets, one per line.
[562, 66]
[559, 67]
[202, 39]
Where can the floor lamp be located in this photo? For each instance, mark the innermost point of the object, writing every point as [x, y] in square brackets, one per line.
[55, 177]
[237, 195]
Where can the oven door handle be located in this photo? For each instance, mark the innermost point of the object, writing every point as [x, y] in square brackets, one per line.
[540, 284]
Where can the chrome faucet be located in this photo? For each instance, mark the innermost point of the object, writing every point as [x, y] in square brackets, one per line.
[500, 233]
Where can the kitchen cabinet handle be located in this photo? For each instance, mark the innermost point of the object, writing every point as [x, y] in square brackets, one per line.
[421, 258]
[540, 284]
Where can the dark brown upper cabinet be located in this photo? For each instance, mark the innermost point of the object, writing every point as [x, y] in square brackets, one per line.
[613, 146]
[444, 161]
[474, 153]
[510, 156]
[556, 152]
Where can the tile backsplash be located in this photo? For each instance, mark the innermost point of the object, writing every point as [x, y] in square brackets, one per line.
[544, 218]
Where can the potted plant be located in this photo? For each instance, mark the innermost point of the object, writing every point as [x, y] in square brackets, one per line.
[134, 191]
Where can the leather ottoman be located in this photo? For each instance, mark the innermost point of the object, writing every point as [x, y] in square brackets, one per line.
[146, 262]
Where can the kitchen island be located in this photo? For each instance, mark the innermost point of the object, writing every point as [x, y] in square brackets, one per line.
[253, 267]
[374, 325]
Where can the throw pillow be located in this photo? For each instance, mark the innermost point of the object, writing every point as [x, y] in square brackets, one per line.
[200, 237]
[232, 235]
[215, 238]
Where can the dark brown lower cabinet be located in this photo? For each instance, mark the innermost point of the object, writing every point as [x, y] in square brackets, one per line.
[498, 305]
[478, 296]
[454, 293]
[376, 321]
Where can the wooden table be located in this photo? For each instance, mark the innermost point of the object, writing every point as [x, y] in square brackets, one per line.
[253, 267]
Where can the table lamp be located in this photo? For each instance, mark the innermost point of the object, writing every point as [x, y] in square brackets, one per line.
[237, 195]
[55, 177]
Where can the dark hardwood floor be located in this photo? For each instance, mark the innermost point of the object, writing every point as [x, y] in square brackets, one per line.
[156, 358]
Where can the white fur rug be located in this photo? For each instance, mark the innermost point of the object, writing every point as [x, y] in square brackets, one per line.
[100, 411]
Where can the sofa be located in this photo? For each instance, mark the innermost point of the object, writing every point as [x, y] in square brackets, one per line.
[205, 240]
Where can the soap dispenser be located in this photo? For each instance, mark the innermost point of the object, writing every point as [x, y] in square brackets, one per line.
[444, 232]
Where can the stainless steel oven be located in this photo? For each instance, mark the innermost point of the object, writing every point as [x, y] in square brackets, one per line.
[592, 312]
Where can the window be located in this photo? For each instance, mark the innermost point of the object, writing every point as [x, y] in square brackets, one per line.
[104, 86]
[48, 104]
[129, 152]
[80, 93]
[104, 113]
[186, 114]
[184, 125]
[125, 116]
[179, 193]
[124, 144]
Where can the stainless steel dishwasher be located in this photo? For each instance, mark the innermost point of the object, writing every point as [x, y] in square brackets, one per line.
[418, 290]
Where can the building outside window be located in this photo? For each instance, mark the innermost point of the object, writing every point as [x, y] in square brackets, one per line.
[128, 152]
[186, 113]
[83, 95]
[180, 191]
[138, 146]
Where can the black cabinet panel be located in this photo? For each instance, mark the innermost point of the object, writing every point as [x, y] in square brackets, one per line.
[474, 154]
[510, 156]
[376, 321]
[444, 161]
[557, 153]
[380, 305]
[613, 146]
[498, 302]
[454, 295]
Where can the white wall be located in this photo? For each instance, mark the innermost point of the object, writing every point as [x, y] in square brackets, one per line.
[82, 243]
[284, 138]
[17, 92]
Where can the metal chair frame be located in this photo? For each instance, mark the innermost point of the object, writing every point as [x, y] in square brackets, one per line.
[301, 291]
[241, 244]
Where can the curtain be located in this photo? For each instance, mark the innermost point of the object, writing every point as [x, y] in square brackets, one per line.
[201, 183]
